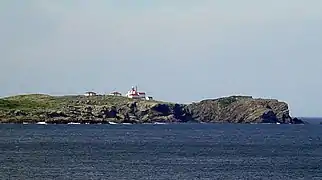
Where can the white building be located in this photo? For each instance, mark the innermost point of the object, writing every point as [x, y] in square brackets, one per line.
[90, 93]
[115, 93]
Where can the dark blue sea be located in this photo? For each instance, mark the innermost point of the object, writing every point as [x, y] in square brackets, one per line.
[155, 152]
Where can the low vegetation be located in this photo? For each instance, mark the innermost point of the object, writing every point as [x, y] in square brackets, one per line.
[106, 108]
[226, 101]
[42, 101]
[29, 102]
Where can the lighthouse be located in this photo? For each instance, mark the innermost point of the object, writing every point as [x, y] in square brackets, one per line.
[135, 94]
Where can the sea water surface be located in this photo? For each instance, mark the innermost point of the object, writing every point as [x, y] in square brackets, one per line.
[171, 151]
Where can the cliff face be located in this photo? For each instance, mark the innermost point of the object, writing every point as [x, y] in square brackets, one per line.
[104, 109]
[241, 109]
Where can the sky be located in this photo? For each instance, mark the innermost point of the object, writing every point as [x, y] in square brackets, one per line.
[175, 50]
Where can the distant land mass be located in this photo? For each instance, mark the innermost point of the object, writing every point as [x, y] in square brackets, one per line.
[311, 120]
[35, 108]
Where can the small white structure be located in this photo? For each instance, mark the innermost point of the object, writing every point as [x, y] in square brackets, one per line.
[115, 93]
[135, 94]
[149, 98]
[90, 93]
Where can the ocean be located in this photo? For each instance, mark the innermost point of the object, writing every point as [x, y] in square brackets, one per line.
[165, 151]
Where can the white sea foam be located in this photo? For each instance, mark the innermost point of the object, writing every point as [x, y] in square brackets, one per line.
[73, 123]
[42, 123]
[112, 123]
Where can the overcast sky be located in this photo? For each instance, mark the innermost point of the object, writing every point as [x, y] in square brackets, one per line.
[175, 50]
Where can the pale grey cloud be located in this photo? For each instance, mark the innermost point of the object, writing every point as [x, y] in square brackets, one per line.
[177, 50]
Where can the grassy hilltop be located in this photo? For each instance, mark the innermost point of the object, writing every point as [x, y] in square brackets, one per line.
[106, 108]
[41, 107]
[33, 102]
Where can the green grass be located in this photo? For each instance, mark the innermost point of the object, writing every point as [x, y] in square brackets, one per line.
[27, 102]
[226, 101]
[6, 104]
[42, 101]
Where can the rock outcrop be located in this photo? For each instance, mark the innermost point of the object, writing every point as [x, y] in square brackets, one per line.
[105, 109]
[242, 109]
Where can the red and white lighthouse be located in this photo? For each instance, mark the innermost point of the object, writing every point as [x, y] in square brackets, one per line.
[134, 93]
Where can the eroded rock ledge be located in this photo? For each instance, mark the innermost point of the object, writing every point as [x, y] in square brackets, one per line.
[242, 109]
[104, 109]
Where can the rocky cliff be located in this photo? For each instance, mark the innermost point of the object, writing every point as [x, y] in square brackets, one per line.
[105, 109]
[242, 109]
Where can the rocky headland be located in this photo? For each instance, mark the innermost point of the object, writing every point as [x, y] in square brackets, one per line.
[35, 108]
